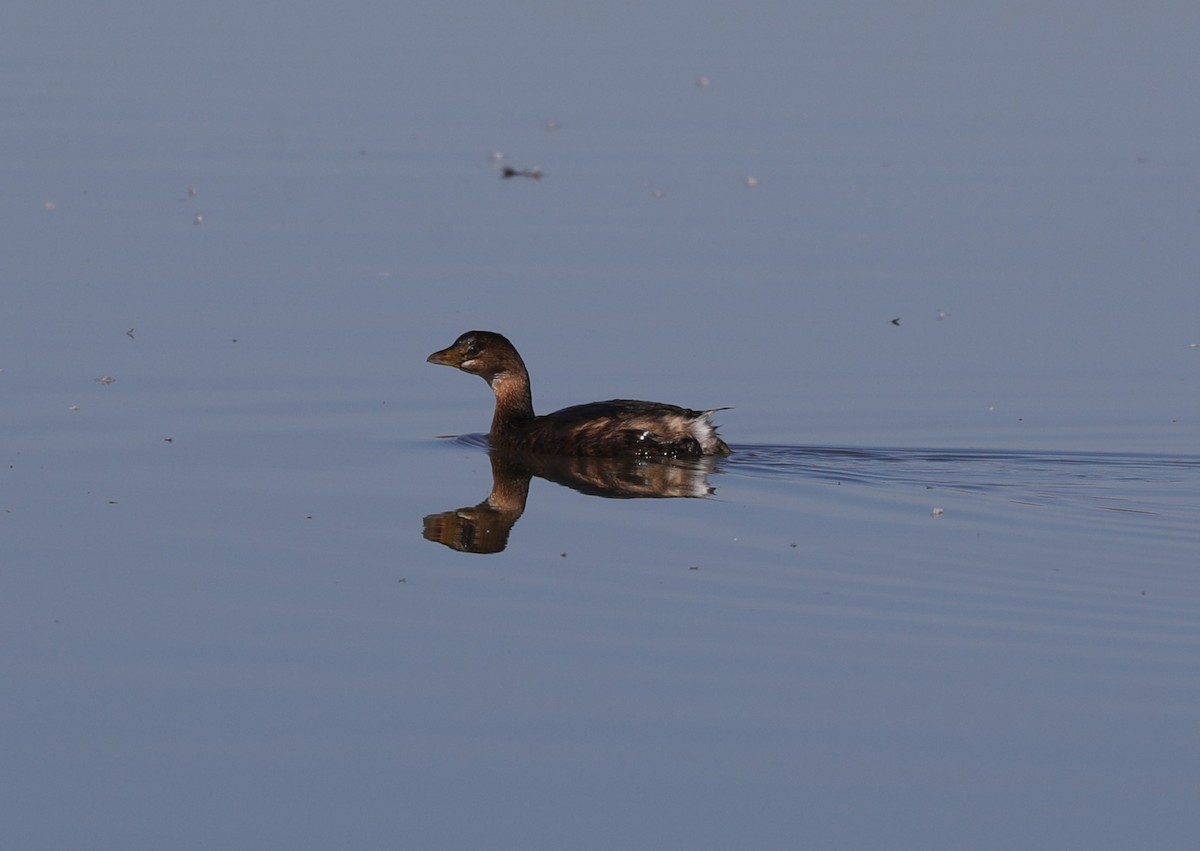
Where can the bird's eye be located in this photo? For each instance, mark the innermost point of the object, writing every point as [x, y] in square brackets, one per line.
[472, 349]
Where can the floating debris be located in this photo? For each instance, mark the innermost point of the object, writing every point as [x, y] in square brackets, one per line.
[937, 512]
[942, 315]
[74, 409]
[552, 125]
[752, 181]
[198, 219]
[534, 173]
[703, 82]
[50, 206]
[106, 379]
[192, 191]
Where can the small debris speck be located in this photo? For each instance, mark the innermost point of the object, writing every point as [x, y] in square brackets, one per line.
[534, 173]
[937, 512]
[106, 379]
[752, 181]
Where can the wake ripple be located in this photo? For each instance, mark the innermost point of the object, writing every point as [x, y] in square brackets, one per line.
[1139, 482]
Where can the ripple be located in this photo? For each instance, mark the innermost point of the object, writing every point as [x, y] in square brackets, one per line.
[1143, 483]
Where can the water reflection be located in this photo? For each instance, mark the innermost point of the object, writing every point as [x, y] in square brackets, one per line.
[1146, 484]
[484, 528]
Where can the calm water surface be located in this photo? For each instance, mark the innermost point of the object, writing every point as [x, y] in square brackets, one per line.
[943, 595]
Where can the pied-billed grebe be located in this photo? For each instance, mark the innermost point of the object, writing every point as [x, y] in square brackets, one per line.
[616, 427]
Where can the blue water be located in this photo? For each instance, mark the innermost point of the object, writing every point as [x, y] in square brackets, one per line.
[943, 595]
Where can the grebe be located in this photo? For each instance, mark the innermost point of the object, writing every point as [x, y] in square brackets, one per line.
[601, 429]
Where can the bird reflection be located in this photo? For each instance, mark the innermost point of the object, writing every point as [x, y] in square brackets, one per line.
[484, 528]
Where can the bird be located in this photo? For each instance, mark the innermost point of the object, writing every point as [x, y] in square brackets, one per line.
[613, 428]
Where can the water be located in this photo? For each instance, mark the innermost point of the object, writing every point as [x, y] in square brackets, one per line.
[944, 594]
